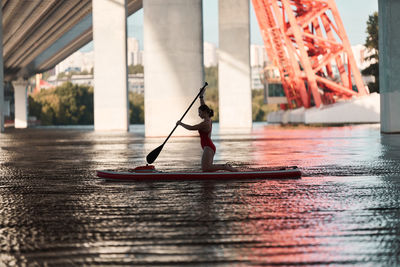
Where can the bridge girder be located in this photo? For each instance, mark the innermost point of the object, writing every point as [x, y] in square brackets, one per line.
[38, 34]
[306, 40]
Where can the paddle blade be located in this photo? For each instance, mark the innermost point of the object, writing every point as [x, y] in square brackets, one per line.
[152, 156]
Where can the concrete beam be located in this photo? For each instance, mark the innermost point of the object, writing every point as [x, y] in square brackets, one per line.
[21, 103]
[364, 109]
[110, 69]
[39, 34]
[389, 65]
[234, 78]
[1, 74]
[173, 62]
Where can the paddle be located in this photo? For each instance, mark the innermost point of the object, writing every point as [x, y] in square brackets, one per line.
[152, 156]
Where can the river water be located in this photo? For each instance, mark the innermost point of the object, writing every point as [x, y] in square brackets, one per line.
[344, 211]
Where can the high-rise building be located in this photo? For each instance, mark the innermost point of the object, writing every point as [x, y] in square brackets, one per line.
[133, 52]
[258, 55]
[81, 61]
[77, 61]
[360, 54]
[210, 54]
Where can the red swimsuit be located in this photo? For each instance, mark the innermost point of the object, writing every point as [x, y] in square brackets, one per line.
[205, 140]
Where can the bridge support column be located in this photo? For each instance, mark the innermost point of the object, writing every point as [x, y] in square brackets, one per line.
[1, 74]
[110, 69]
[389, 65]
[173, 63]
[21, 103]
[234, 65]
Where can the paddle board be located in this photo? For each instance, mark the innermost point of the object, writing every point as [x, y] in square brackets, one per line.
[149, 173]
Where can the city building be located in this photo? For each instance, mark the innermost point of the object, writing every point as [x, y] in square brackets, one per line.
[257, 77]
[78, 61]
[135, 81]
[258, 60]
[135, 55]
[210, 54]
[83, 61]
[258, 55]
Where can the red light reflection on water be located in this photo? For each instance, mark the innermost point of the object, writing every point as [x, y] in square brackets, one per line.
[311, 146]
[300, 221]
[288, 225]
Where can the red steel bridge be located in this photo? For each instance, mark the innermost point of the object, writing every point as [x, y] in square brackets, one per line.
[307, 41]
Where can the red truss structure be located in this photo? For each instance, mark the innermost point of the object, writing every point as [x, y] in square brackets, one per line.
[307, 41]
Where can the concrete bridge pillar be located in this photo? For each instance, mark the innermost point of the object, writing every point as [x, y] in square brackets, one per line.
[389, 65]
[110, 65]
[1, 74]
[173, 63]
[21, 103]
[234, 65]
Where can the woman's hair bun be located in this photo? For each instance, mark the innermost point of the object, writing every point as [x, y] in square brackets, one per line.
[207, 109]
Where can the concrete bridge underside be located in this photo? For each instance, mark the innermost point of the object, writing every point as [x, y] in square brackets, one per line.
[39, 34]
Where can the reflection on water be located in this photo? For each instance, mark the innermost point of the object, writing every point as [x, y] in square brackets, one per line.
[345, 210]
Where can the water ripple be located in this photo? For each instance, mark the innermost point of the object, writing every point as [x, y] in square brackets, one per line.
[344, 211]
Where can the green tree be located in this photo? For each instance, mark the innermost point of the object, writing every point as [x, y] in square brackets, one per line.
[35, 107]
[211, 76]
[71, 104]
[260, 109]
[69, 74]
[135, 69]
[211, 95]
[257, 105]
[136, 111]
[372, 43]
[67, 104]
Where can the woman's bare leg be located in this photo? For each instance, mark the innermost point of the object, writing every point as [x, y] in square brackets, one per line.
[207, 162]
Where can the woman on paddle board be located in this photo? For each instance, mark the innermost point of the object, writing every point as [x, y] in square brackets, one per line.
[204, 128]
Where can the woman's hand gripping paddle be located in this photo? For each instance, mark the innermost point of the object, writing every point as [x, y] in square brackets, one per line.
[152, 156]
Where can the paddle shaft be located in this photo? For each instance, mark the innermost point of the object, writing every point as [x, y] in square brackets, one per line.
[201, 91]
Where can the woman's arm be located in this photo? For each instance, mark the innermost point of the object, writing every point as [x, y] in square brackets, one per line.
[202, 98]
[200, 126]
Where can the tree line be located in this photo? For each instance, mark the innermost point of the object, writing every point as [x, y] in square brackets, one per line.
[372, 44]
[72, 104]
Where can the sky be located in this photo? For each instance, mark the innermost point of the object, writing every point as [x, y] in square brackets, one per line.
[354, 14]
